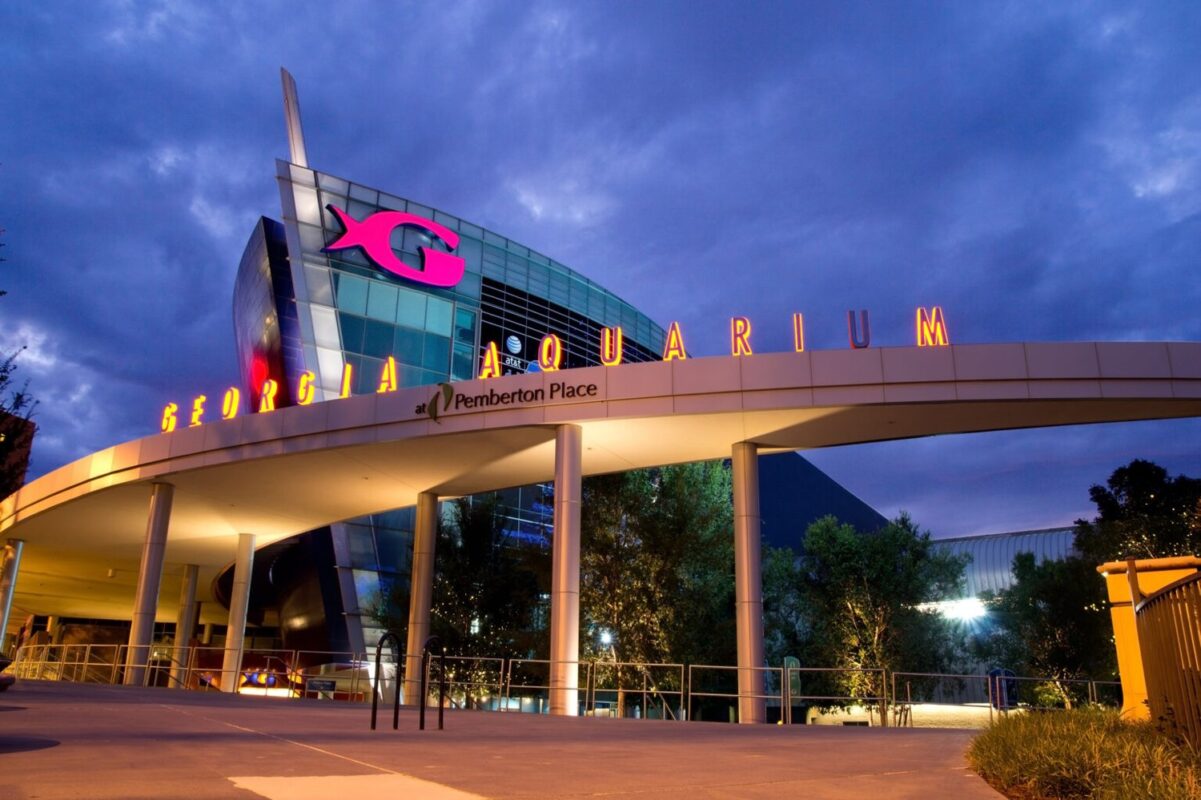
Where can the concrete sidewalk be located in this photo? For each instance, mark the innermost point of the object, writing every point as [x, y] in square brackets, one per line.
[61, 740]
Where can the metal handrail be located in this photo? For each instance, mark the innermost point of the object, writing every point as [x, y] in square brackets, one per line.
[881, 699]
[1169, 634]
[736, 695]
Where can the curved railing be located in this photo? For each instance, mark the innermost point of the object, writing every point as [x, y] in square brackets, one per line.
[1169, 634]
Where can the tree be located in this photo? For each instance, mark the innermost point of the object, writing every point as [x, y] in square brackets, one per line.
[1052, 622]
[485, 587]
[857, 602]
[1142, 513]
[16, 430]
[656, 565]
[656, 576]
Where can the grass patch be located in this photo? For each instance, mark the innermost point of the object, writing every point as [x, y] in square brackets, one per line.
[1085, 753]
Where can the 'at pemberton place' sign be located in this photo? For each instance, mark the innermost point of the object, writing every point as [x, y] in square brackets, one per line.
[930, 330]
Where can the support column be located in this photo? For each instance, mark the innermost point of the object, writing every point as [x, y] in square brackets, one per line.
[150, 575]
[8, 584]
[421, 593]
[565, 574]
[748, 583]
[239, 602]
[185, 625]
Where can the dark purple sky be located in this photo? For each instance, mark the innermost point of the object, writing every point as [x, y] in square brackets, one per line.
[1033, 168]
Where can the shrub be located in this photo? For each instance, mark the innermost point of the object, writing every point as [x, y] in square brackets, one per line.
[1085, 753]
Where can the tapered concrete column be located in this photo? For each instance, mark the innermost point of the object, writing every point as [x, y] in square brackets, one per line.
[239, 602]
[150, 575]
[185, 624]
[565, 574]
[421, 592]
[748, 583]
[8, 583]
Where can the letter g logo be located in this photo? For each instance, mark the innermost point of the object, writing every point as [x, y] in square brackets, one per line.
[374, 236]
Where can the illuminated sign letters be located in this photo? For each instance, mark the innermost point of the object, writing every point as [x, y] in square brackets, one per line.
[387, 376]
[491, 367]
[931, 328]
[930, 331]
[740, 336]
[550, 353]
[374, 236]
[673, 348]
[611, 346]
[231, 403]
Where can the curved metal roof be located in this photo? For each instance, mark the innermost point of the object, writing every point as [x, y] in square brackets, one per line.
[991, 567]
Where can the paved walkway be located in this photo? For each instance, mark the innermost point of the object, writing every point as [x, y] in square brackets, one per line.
[68, 740]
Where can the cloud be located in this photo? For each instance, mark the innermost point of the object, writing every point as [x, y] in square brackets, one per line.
[1034, 170]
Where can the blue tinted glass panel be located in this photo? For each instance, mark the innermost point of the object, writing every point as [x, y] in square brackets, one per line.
[393, 547]
[366, 586]
[410, 309]
[465, 325]
[352, 332]
[437, 317]
[463, 368]
[408, 346]
[368, 376]
[381, 301]
[352, 294]
[362, 546]
[469, 286]
[377, 339]
[437, 353]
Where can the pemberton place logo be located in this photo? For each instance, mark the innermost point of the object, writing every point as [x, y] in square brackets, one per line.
[447, 398]
[374, 235]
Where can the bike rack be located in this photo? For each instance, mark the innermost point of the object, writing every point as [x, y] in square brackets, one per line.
[375, 683]
[425, 671]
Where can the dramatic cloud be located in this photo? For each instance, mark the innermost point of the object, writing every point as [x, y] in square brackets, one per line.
[1035, 170]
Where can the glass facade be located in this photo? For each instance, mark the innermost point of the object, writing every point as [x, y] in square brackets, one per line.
[297, 308]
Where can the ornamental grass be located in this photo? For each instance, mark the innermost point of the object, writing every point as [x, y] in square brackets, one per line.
[1086, 753]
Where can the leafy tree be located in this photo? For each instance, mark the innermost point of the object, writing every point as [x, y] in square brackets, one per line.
[1052, 622]
[656, 565]
[1142, 512]
[16, 407]
[856, 602]
[657, 572]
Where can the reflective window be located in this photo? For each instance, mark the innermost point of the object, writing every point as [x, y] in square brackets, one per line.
[352, 294]
[362, 546]
[437, 353]
[410, 309]
[463, 368]
[381, 301]
[438, 315]
[465, 325]
[408, 346]
[352, 332]
[377, 339]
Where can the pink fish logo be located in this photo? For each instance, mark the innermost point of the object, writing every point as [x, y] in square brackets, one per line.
[374, 235]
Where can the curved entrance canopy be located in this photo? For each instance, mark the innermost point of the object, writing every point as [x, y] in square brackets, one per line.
[281, 473]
